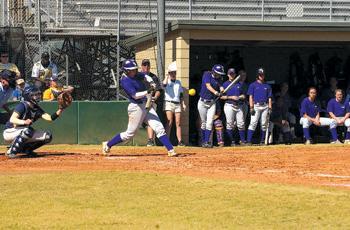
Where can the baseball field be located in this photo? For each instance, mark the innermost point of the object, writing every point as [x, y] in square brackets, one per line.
[273, 187]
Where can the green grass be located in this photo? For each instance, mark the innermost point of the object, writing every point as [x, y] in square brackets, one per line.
[120, 200]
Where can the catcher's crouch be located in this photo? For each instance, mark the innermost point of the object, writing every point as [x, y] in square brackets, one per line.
[18, 130]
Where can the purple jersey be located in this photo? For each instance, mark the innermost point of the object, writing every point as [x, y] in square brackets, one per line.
[309, 108]
[236, 90]
[214, 82]
[339, 109]
[261, 92]
[132, 85]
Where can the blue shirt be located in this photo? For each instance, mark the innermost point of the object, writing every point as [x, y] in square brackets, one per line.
[214, 82]
[309, 108]
[261, 92]
[236, 90]
[339, 109]
[133, 85]
[5, 95]
[26, 112]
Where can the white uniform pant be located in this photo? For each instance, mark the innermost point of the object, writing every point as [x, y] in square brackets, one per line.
[11, 134]
[346, 124]
[137, 115]
[261, 113]
[206, 113]
[234, 116]
[323, 120]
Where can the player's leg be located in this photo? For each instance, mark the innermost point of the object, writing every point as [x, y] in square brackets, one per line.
[178, 127]
[306, 124]
[38, 139]
[150, 135]
[22, 135]
[264, 123]
[229, 114]
[202, 110]
[169, 121]
[136, 115]
[154, 122]
[209, 124]
[286, 133]
[241, 124]
[254, 119]
[292, 121]
[347, 135]
[332, 128]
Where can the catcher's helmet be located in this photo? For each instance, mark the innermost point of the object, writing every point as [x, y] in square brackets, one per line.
[32, 94]
[219, 69]
[129, 64]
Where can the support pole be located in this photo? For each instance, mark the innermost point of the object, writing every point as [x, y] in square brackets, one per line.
[118, 50]
[160, 39]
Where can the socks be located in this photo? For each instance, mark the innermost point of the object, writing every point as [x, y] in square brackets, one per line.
[242, 135]
[250, 135]
[334, 134]
[166, 142]
[229, 134]
[262, 136]
[115, 140]
[306, 132]
[203, 135]
[207, 135]
[347, 136]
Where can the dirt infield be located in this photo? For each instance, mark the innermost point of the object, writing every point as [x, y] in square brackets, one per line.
[325, 165]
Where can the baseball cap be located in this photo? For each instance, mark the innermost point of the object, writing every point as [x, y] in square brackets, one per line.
[45, 55]
[231, 71]
[20, 81]
[260, 71]
[5, 74]
[145, 62]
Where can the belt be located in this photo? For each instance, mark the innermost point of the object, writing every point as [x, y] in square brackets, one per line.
[260, 103]
[175, 102]
[205, 100]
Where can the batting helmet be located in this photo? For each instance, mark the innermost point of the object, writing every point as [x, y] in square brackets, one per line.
[32, 94]
[129, 64]
[260, 71]
[219, 69]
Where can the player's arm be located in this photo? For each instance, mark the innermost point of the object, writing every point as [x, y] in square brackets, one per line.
[52, 117]
[211, 89]
[14, 119]
[165, 80]
[270, 103]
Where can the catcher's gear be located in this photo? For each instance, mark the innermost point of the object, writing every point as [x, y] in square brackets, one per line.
[32, 94]
[19, 142]
[64, 100]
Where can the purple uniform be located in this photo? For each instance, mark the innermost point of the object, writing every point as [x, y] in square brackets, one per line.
[132, 85]
[309, 108]
[214, 82]
[261, 92]
[339, 109]
[236, 90]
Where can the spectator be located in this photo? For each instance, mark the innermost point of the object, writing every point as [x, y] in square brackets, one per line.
[146, 69]
[18, 92]
[43, 71]
[173, 100]
[5, 94]
[310, 115]
[55, 90]
[6, 65]
[329, 92]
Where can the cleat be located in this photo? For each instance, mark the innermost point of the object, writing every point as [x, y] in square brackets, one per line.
[172, 153]
[241, 143]
[207, 145]
[181, 143]
[221, 144]
[307, 142]
[233, 143]
[150, 143]
[30, 153]
[10, 155]
[347, 142]
[105, 148]
[336, 142]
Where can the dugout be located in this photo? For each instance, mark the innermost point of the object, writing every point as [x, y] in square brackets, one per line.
[301, 54]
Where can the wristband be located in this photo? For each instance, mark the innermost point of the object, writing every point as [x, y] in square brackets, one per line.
[54, 116]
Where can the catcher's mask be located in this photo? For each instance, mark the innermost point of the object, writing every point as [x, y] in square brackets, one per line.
[32, 94]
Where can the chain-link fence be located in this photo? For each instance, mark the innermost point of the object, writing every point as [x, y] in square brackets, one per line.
[82, 35]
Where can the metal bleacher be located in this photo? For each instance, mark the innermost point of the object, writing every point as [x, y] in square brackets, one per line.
[136, 15]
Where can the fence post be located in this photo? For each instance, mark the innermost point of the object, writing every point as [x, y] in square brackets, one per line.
[190, 9]
[262, 10]
[61, 21]
[39, 23]
[330, 10]
[118, 49]
[56, 16]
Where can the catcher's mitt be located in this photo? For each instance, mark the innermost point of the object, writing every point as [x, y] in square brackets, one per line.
[64, 100]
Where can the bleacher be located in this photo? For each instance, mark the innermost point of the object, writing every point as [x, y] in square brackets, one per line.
[136, 15]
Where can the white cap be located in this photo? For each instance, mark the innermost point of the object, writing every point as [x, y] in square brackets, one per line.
[172, 67]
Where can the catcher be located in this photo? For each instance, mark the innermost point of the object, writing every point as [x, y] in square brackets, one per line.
[18, 131]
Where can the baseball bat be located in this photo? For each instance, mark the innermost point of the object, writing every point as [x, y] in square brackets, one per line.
[227, 88]
[149, 101]
[267, 128]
